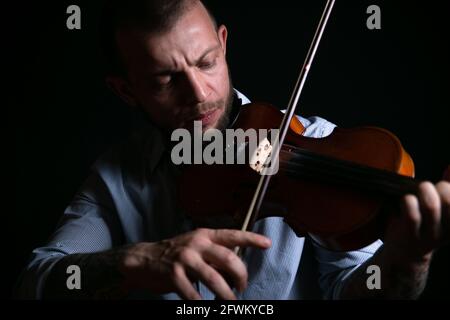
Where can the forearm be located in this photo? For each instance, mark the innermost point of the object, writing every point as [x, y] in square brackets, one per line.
[99, 274]
[398, 280]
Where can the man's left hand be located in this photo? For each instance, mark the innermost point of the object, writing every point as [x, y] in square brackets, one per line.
[424, 225]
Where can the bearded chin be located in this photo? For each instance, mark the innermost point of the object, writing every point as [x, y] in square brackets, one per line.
[224, 120]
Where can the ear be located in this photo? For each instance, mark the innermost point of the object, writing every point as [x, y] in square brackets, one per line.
[222, 33]
[122, 89]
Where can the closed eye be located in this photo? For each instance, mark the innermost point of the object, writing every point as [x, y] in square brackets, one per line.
[206, 65]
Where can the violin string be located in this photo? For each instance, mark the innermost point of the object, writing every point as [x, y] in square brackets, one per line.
[310, 165]
[350, 171]
[363, 183]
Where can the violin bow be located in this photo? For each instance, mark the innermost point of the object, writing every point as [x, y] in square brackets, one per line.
[263, 183]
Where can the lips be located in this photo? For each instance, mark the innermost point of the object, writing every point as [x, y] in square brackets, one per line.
[207, 118]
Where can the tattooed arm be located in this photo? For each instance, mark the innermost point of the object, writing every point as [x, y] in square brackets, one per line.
[397, 281]
[161, 267]
[100, 276]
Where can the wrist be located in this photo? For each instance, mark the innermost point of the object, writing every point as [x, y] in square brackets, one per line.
[406, 259]
[405, 276]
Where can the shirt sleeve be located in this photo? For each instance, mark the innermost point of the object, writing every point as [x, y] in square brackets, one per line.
[336, 267]
[89, 224]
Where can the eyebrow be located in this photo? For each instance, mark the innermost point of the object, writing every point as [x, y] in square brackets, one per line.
[167, 72]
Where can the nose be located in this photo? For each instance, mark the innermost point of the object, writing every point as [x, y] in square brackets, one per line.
[197, 89]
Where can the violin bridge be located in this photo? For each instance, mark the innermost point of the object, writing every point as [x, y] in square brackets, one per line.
[261, 155]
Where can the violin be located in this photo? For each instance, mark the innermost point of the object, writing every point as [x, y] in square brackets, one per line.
[333, 188]
[340, 189]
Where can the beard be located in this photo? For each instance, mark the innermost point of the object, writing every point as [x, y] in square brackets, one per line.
[186, 118]
[225, 104]
[224, 119]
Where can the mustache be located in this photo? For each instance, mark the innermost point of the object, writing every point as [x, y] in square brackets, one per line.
[205, 108]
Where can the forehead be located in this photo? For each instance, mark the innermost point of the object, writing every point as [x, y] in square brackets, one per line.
[192, 34]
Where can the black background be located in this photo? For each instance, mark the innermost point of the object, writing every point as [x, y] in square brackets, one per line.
[63, 116]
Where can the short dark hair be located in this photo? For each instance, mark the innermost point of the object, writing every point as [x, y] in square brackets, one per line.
[148, 15]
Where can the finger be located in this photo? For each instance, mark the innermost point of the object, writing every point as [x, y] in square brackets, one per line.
[183, 285]
[443, 188]
[430, 209]
[199, 269]
[411, 216]
[235, 238]
[228, 262]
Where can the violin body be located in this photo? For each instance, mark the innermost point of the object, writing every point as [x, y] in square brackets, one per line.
[334, 188]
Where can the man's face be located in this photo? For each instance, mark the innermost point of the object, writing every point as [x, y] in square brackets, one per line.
[180, 75]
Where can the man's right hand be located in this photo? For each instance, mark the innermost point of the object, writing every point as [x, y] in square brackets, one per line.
[173, 265]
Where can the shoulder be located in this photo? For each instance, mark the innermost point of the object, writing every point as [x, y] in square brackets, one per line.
[316, 127]
[134, 158]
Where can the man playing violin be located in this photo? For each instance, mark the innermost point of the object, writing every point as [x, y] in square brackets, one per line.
[124, 230]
